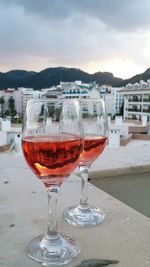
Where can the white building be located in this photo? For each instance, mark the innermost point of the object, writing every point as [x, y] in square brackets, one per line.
[53, 92]
[10, 136]
[5, 125]
[66, 90]
[137, 100]
[20, 96]
[113, 98]
[79, 90]
[110, 104]
[27, 94]
[118, 99]
[17, 96]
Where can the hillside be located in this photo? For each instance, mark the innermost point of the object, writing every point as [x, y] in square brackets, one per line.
[52, 76]
[143, 76]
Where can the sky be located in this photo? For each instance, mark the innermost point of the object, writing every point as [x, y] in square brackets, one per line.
[93, 35]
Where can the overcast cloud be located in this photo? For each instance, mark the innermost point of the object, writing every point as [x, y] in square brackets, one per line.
[94, 35]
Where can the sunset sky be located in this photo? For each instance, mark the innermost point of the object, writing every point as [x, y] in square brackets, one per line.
[93, 35]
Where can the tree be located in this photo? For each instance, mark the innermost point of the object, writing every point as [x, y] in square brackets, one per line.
[1, 105]
[58, 112]
[122, 109]
[51, 111]
[11, 107]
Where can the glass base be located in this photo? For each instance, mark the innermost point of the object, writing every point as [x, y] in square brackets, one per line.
[60, 251]
[84, 217]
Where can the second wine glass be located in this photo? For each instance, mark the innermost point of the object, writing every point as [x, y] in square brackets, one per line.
[95, 139]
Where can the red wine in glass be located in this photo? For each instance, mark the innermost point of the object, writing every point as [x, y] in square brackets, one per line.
[52, 158]
[93, 147]
[95, 140]
[52, 142]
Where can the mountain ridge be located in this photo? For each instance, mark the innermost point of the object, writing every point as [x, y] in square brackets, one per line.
[54, 75]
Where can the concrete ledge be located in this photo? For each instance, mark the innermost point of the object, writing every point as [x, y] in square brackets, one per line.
[138, 129]
[141, 136]
[119, 171]
[134, 136]
[4, 148]
[124, 142]
[124, 236]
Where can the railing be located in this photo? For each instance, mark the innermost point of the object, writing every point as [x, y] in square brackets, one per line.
[135, 100]
[146, 110]
[134, 110]
[146, 100]
[70, 93]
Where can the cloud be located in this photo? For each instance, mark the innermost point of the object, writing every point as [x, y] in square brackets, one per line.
[121, 15]
[77, 33]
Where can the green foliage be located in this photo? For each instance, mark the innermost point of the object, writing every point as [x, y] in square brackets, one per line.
[122, 109]
[87, 115]
[19, 120]
[7, 112]
[42, 113]
[2, 101]
[11, 108]
[54, 112]
[57, 111]
[51, 111]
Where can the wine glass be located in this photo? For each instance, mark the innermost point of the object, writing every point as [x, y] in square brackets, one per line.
[52, 143]
[95, 139]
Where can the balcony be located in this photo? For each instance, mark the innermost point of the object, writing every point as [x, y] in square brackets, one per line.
[146, 110]
[134, 110]
[135, 100]
[146, 99]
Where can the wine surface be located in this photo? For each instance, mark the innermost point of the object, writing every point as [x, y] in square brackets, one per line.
[52, 158]
[93, 147]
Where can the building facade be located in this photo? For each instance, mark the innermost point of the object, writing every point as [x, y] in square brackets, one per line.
[17, 96]
[20, 96]
[137, 100]
[78, 89]
[113, 98]
[66, 90]
[27, 94]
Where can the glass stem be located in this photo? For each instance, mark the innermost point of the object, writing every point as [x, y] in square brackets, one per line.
[84, 203]
[52, 233]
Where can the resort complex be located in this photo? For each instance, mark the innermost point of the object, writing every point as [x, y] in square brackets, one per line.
[114, 188]
[128, 108]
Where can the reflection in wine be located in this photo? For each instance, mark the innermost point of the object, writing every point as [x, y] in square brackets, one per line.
[52, 158]
[93, 147]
